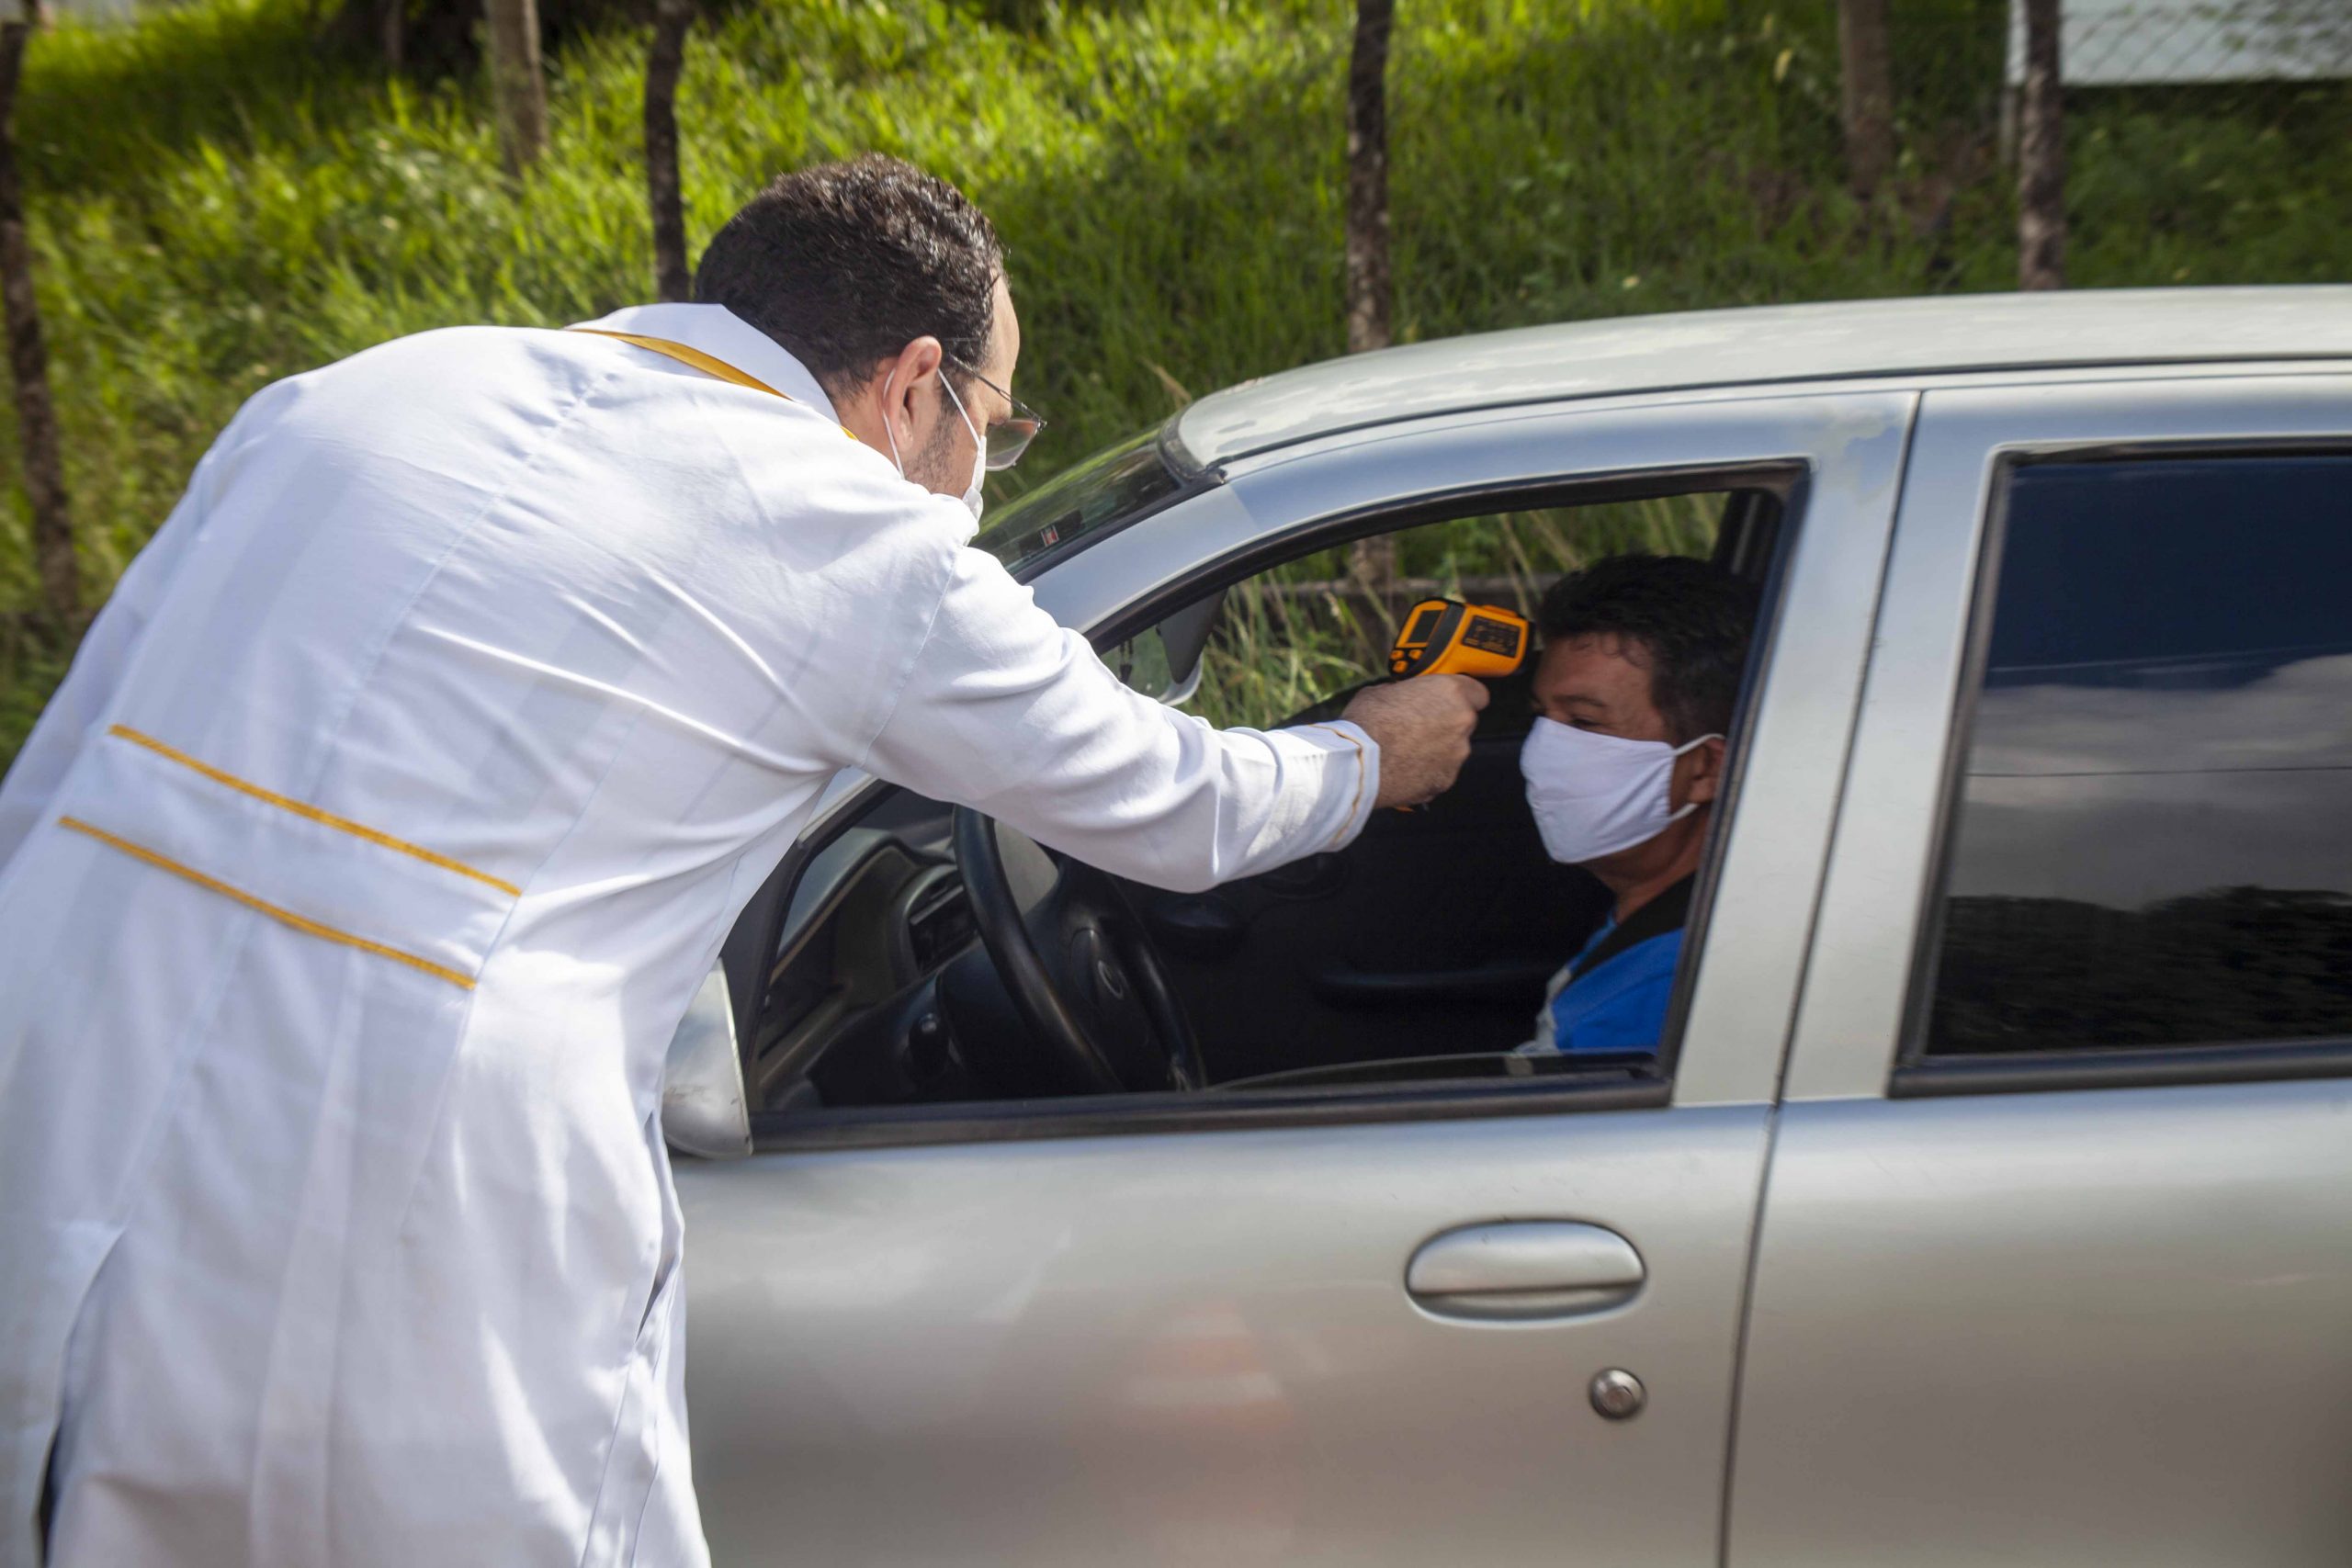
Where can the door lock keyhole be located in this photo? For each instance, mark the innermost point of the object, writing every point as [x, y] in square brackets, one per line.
[1618, 1394]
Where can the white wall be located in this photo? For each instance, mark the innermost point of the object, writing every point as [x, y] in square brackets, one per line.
[2120, 42]
[94, 10]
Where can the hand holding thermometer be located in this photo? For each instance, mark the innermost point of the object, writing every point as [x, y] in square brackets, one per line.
[1446, 637]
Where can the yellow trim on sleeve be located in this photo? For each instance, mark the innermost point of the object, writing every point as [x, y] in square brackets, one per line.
[1362, 769]
[340, 824]
[284, 917]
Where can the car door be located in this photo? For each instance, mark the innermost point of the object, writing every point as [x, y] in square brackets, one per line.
[1353, 1326]
[2056, 1264]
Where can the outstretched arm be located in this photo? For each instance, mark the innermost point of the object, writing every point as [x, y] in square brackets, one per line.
[1008, 712]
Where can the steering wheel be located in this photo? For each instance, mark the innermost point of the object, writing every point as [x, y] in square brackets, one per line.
[1081, 971]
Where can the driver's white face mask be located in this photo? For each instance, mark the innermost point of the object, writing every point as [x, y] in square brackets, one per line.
[1594, 794]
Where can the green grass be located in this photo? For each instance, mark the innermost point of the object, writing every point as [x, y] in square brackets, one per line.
[1273, 654]
[218, 202]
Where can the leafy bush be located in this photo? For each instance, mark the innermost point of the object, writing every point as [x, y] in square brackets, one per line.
[219, 201]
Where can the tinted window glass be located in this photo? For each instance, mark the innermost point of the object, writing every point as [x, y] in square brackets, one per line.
[2155, 835]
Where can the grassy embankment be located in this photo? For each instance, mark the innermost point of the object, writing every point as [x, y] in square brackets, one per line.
[218, 204]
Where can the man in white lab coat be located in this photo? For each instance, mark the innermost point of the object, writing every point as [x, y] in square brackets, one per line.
[354, 882]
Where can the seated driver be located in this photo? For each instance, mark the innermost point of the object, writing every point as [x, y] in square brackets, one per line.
[1641, 668]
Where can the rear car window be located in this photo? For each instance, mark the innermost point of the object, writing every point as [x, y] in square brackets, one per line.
[2153, 844]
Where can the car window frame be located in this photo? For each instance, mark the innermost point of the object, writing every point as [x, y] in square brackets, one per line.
[1776, 442]
[1607, 1087]
[1862, 1019]
[1919, 1071]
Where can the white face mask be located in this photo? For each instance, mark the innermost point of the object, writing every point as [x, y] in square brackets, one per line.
[1594, 794]
[979, 453]
[971, 496]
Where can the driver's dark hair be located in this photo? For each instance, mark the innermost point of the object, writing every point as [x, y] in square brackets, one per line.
[846, 264]
[1685, 620]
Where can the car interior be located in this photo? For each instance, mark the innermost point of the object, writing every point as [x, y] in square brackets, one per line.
[916, 954]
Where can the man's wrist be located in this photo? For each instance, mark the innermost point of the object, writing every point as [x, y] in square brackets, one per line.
[1344, 737]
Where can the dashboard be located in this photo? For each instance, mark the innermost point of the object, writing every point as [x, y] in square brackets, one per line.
[879, 982]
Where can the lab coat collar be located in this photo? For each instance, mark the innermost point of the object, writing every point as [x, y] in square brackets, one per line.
[721, 333]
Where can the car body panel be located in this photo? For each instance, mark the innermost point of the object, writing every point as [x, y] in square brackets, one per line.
[1198, 1348]
[2098, 1326]
[2063, 1325]
[1010, 1351]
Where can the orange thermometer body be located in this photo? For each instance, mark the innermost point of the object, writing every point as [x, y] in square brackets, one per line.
[1446, 637]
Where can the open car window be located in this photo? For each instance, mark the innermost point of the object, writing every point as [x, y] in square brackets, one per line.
[1291, 640]
[1420, 954]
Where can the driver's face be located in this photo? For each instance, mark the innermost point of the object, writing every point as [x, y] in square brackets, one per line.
[1596, 683]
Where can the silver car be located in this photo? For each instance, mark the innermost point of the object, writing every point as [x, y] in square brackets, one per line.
[1990, 1199]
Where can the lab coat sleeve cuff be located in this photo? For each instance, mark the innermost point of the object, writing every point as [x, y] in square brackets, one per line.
[1350, 760]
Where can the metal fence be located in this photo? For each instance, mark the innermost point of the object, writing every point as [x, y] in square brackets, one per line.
[2134, 43]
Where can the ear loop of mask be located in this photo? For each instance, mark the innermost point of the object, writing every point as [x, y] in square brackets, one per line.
[1688, 806]
[978, 439]
[887, 432]
[892, 436]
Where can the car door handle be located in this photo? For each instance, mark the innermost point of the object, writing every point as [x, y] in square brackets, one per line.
[1519, 1270]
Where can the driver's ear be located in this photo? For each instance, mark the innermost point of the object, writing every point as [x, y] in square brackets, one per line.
[1702, 782]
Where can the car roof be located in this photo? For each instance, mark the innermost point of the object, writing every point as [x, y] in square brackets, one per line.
[1948, 333]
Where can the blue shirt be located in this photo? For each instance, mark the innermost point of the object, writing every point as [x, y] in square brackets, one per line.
[1613, 995]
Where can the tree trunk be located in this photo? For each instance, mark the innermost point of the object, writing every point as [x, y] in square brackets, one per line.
[663, 60]
[1374, 560]
[1867, 80]
[1368, 285]
[28, 360]
[518, 87]
[391, 25]
[2041, 155]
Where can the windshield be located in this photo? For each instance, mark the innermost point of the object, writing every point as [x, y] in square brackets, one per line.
[1111, 489]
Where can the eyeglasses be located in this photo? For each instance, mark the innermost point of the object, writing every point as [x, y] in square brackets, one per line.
[1007, 438]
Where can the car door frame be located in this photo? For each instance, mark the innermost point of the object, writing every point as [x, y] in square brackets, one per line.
[1836, 451]
[1846, 1449]
[1840, 451]
[1862, 996]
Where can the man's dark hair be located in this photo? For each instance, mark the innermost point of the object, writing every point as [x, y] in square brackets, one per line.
[1686, 621]
[846, 264]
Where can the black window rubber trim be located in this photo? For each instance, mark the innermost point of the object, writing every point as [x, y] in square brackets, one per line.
[1918, 1071]
[1126, 1115]
[2160, 1067]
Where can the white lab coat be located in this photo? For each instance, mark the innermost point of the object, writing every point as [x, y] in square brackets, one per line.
[355, 879]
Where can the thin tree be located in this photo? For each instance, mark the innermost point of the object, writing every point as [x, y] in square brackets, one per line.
[2041, 155]
[1866, 76]
[28, 360]
[663, 60]
[1369, 294]
[518, 87]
